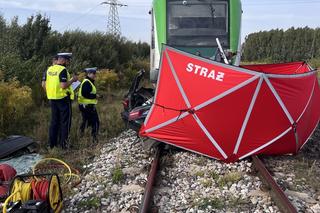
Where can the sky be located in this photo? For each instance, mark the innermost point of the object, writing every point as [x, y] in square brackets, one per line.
[90, 15]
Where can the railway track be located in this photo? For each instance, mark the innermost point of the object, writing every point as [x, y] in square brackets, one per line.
[190, 183]
[275, 190]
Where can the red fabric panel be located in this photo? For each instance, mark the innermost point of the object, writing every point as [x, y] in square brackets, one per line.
[186, 133]
[266, 122]
[294, 92]
[285, 145]
[199, 88]
[224, 118]
[202, 81]
[282, 68]
[168, 96]
[310, 118]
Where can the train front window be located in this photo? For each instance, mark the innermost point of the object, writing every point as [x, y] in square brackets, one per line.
[197, 22]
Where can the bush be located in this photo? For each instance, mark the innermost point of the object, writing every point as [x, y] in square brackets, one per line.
[133, 67]
[315, 63]
[15, 102]
[107, 80]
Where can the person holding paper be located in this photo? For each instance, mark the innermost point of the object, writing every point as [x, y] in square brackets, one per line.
[87, 99]
[59, 92]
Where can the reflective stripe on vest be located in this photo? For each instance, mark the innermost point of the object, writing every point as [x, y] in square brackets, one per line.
[53, 87]
[83, 100]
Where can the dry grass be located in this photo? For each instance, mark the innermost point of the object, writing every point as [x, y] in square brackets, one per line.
[83, 150]
[307, 172]
[229, 178]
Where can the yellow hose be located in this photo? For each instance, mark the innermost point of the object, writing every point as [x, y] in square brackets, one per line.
[55, 199]
[22, 191]
[4, 208]
[54, 159]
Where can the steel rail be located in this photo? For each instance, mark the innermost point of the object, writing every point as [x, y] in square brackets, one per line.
[277, 193]
[145, 204]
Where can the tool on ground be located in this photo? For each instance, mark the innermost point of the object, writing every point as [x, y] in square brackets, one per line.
[40, 193]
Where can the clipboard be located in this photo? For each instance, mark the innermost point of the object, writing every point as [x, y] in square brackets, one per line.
[75, 85]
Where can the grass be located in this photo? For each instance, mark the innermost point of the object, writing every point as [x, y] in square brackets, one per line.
[117, 175]
[229, 178]
[92, 202]
[314, 62]
[307, 172]
[207, 183]
[229, 203]
[83, 150]
[214, 175]
[200, 173]
[214, 202]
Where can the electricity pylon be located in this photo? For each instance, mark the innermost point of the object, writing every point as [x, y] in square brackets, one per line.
[113, 26]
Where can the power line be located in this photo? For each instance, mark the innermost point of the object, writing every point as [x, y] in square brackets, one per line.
[78, 18]
[113, 25]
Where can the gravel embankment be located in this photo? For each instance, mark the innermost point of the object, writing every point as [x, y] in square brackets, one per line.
[299, 175]
[187, 182]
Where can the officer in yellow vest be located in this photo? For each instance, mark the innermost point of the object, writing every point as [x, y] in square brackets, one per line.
[59, 92]
[44, 76]
[87, 99]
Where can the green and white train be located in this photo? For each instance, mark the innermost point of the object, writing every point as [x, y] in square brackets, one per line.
[193, 26]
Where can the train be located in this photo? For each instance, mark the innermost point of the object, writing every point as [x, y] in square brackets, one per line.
[193, 26]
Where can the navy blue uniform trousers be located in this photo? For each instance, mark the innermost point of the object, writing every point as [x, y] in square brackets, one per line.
[60, 125]
[89, 118]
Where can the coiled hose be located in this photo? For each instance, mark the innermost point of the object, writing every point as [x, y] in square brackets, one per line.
[39, 188]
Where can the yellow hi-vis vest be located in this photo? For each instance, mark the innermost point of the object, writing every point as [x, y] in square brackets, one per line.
[83, 100]
[53, 88]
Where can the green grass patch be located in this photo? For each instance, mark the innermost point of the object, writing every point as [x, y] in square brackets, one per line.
[92, 202]
[207, 183]
[229, 178]
[117, 175]
[214, 202]
[214, 175]
[200, 173]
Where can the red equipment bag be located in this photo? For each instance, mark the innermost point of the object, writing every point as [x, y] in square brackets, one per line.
[7, 173]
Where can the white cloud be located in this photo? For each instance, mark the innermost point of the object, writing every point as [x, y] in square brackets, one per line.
[52, 5]
[75, 6]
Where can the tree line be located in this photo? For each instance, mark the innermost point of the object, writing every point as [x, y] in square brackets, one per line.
[26, 50]
[279, 45]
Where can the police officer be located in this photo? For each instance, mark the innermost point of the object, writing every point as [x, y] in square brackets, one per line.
[59, 92]
[87, 99]
[44, 76]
